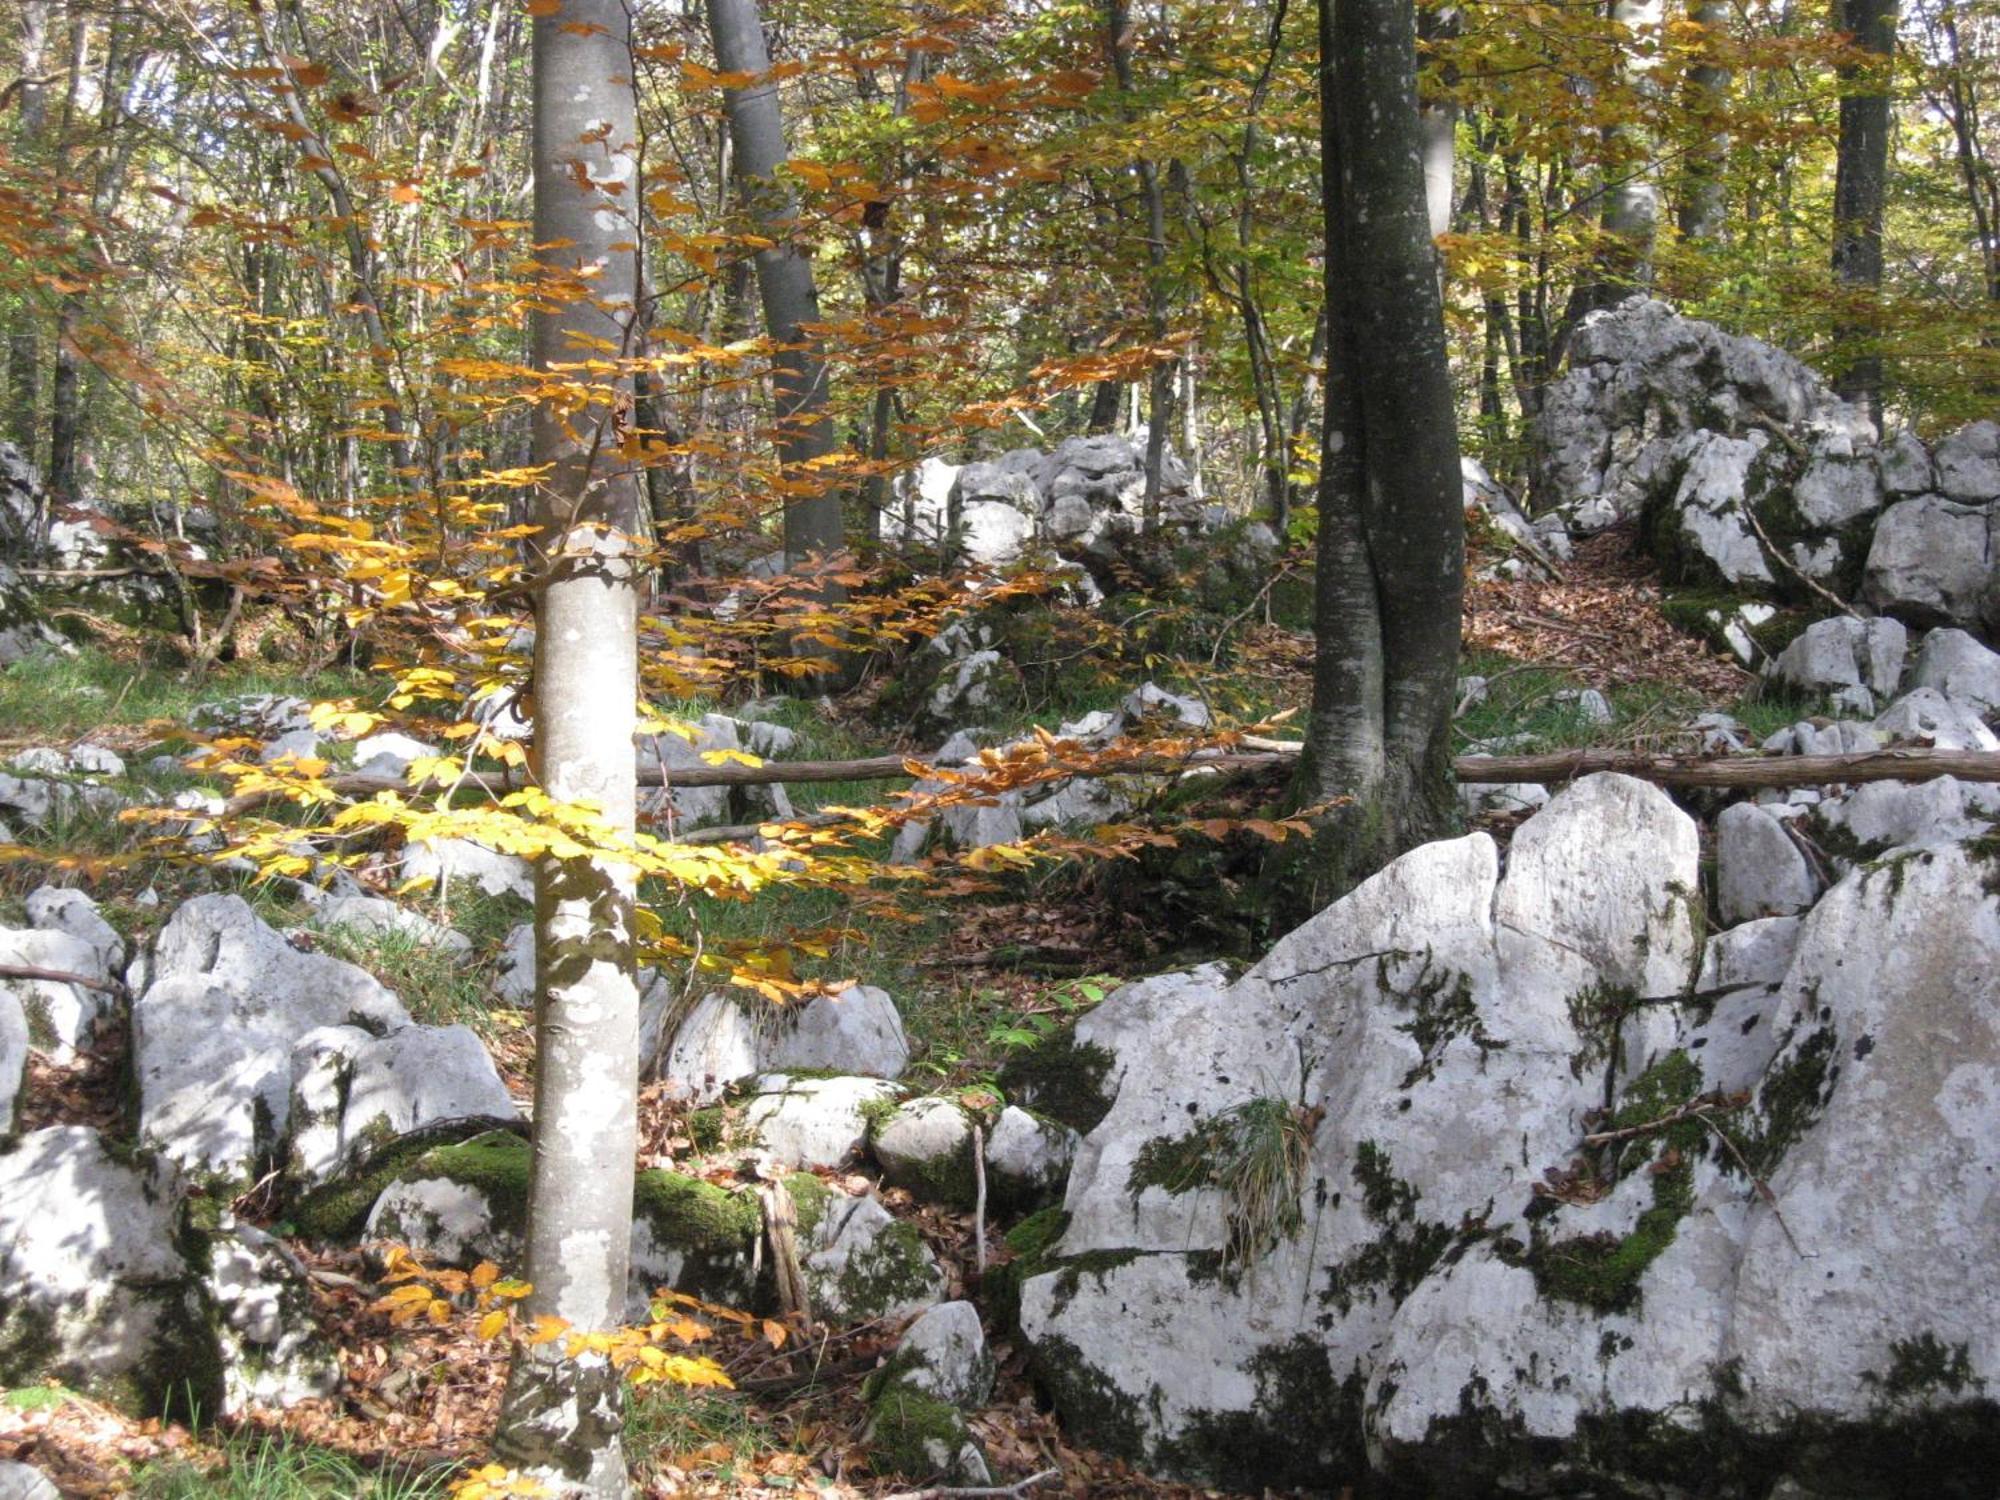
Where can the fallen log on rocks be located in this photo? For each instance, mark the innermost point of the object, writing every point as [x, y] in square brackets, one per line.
[1736, 771]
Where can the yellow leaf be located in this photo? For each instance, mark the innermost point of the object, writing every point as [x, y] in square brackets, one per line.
[547, 1329]
[491, 1326]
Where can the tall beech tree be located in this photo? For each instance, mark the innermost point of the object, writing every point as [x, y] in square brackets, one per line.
[562, 1417]
[1860, 189]
[1391, 543]
[784, 280]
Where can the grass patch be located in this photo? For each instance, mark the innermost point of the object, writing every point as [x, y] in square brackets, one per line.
[277, 1468]
[44, 699]
[439, 985]
[690, 1429]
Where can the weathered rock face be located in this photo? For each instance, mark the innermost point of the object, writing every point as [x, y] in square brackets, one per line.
[225, 999]
[1450, 1285]
[1747, 471]
[1085, 499]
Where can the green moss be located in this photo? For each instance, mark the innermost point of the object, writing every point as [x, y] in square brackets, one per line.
[1302, 1433]
[894, 1271]
[950, 1179]
[1031, 1250]
[1095, 1412]
[915, 1436]
[1445, 1011]
[1788, 1102]
[1704, 613]
[1405, 1251]
[1602, 1271]
[1924, 1366]
[1063, 1079]
[1598, 1014]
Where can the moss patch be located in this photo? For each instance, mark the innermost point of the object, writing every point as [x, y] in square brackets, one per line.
[914, 1435]
[1302, 1433]
[1094, 1411]
[1063, 1079]
[1602, 1271]
[1405, 1251]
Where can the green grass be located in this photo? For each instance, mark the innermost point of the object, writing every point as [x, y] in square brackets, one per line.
[438, 985]
[271, 1468]
[669, 1424]
[63, 698]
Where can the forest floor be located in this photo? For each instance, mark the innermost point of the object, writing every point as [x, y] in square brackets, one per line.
[976, 979]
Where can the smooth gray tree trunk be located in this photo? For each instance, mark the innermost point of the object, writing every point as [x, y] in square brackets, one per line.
[784, 277]
[1391, 527]
[1860, 188]
[24, 351]
[561, 1418]
[1152, 199]
[1704, 210]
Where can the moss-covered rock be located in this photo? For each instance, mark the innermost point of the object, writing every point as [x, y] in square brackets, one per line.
[1062, 1078]
[918, 1437]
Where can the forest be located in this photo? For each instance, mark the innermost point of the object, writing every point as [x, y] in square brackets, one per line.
[999, 748]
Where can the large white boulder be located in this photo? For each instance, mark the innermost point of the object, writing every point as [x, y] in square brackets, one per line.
[212, 1033]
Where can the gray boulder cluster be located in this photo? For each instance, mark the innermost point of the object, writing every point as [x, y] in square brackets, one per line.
[1746, 471]
[255, 1058]
[1087, 494]
[1503, 1179]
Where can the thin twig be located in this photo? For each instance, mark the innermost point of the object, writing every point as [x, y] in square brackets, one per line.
[979, 1201]
[982, 1491]
[60, 976]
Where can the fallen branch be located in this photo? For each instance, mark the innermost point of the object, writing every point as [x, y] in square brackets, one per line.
[984, 1491]
[60, 976]
[1744, 772]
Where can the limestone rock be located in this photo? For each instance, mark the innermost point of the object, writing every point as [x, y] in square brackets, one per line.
[351, 1091]
[1839, 656]
[1152, 699]
[445, 860]
[858, 1031]
[865, 1263]
[1028, 1159]
[944, 1354]
[514, 969]
[269, 1340]
[61, 1016]
[1957, 666]
[717, 1045]
[1927, 715]
[813, 1122]
[1759, 871]
[213, 1031]
[13, 1060]
[1929, 562]
[66, 909]
[1968, 464]
[921, 1438]
[925, 1145]
[19, 1482]
[1882, 815]
[1905, 465]
[94, 1290]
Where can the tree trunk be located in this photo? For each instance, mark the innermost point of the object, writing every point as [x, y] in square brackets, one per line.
[1705, 202]
[1391, 526]
[784, 277]
[1438, 112]
[1160, 387]
[561, 1418]
[24, 351]
[1861, 175]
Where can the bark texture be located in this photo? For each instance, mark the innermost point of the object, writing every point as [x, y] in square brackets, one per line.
[1861, 176]
[562, 1418]
[784, 276]
[1391, 528]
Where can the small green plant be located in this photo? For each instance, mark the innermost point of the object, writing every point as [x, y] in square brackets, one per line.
[1255, 1154]
[280, 1468]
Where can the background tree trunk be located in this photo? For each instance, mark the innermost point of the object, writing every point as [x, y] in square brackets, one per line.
[1704, 207]
[1391, 527]
[24, 344]
[1861, 178]
[561, 1419]
[784, 275]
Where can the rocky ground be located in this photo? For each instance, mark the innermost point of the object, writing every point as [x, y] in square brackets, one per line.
[1621, 1135]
